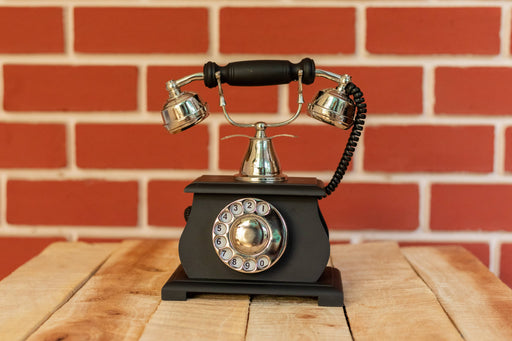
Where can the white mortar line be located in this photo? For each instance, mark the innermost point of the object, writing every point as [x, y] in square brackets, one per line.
[255, 3]
[505, 29]
[111, 174]
[424, 188]
[428, 84]
[499, 149]
[142, 90]
[71, 160]
[142, 214]
[135, 117]
[214, 32]
[495, 255]
[360, 31]
[199, 59]
[213, 146]
[69, 30]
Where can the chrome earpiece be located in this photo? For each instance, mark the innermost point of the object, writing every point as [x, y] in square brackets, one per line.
[182, 109]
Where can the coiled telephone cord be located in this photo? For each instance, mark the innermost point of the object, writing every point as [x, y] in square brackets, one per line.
[353, 139]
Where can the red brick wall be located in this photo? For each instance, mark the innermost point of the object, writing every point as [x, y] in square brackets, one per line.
[83, 154]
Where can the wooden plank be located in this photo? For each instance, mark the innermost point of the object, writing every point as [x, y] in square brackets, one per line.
[206, 317]
[385, 299]
[34, 291]
[118, 300]
[479, 304]
[293, 318]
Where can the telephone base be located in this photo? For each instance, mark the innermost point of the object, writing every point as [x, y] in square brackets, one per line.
[328, 289]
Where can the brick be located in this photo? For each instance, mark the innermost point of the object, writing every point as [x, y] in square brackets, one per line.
[479, 250]
[72, 202]
[506, 260]
[429, 148]
[312, 150]
[70, 88]
[32, 145]
[167, 202]
[375, 206]
[473, 91]
[16, 251]
[141, 30]
[420, 30]
[480, 207]
[140, 146]
[406, 83]
[287, 30]
[260, 99]
[31, 30]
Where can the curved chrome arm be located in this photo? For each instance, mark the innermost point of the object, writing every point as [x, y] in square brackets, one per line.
[190, 78]
[342, 80]
[300, 101]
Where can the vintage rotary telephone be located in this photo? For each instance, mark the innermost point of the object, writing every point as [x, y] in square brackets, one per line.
[259, 231]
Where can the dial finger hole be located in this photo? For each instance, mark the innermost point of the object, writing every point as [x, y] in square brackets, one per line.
[249, 265]
[226, 254]
[262, 262]
[263, 208]
[220, 242]
[236, 262]
[249, 205]
[220, 229]
[225, 216]
[236, 209]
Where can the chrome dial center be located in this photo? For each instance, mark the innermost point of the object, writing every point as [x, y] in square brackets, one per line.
[249, 234]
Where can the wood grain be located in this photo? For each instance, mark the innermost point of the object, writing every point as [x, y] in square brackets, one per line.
[292, 318]
[385, 299]
[39, 287]
[206, 317]
[479, 304]
[119, 299]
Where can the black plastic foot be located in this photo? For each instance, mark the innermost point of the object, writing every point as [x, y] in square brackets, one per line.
[328, 289]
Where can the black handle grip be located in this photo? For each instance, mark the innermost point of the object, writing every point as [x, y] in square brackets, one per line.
[259, 72]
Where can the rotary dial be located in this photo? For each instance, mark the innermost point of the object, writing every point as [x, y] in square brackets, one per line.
[249, 235]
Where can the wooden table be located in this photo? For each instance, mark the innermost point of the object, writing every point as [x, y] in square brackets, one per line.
[78, 291]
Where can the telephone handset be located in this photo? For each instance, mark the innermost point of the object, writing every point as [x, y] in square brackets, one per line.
[260, 231]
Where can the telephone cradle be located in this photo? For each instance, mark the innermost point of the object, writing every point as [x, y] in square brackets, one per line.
[274, 235]
[260, 232]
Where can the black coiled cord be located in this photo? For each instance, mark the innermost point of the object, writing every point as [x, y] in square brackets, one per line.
[351, 145]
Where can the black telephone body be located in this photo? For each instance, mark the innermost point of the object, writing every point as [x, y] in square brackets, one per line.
[260, 231]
